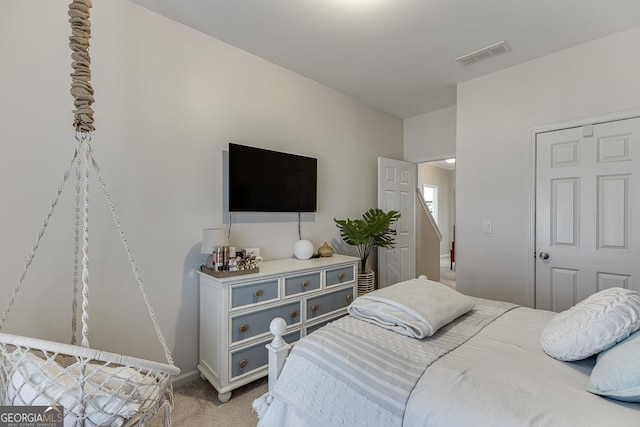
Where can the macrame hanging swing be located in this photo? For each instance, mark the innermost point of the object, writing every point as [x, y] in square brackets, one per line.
[96, 388]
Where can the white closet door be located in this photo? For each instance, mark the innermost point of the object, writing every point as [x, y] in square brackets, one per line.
[587, 196]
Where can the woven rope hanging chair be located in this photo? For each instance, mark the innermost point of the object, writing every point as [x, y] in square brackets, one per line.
[96, 388]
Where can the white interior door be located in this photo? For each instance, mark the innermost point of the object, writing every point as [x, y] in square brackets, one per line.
[396, 191]
[586, 195]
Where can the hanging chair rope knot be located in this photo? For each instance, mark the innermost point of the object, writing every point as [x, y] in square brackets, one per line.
[81, 88]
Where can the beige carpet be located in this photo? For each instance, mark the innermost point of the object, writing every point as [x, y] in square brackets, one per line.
[196, 405]
[447, 276]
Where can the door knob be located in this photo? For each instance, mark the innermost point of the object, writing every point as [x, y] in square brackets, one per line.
[544, 255]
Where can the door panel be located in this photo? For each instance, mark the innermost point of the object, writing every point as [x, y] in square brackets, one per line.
[613, 216]
[586, 196]
[564, 209]
[564, 284]
[396, 191]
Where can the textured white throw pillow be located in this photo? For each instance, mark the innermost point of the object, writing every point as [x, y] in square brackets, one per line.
[592, 325]
[617, 372]
[41, 382]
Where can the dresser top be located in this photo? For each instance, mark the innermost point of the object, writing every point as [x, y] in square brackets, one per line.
[288, 266]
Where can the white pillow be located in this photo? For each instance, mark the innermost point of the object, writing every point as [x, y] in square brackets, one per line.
[36, 381]
[592, 325]
[617, 371]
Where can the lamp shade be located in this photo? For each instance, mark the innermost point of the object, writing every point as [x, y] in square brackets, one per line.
[303, 249]
[213, 238]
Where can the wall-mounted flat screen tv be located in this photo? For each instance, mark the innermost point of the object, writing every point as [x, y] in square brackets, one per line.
[270, 181]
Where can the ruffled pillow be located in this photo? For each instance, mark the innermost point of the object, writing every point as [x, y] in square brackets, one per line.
[592, 325]
[617, 371]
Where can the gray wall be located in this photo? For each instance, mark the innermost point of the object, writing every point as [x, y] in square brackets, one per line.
[427, 246]
[430, 136]
[168, 101]
[495, 167]
[445, 180]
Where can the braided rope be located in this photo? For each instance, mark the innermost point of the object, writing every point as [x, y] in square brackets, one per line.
[150, 310]
[85, 244]
[82, 91]
[81, 88]
[76, 251]
[147, 375]
[82, 380]
[83, 122]
[36, 245]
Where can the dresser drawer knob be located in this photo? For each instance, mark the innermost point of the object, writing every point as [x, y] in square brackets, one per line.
[349, 297]
[315, 307]
[305, 283]
[258, 293]
[243, 363]
[244, 328]
[294, 314]
[341, 276]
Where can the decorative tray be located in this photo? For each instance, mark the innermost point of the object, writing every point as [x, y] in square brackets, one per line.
[222, 274]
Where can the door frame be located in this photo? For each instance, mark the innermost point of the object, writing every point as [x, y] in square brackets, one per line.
[533, 133]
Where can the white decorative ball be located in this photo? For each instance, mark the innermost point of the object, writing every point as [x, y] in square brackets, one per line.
[303, 249]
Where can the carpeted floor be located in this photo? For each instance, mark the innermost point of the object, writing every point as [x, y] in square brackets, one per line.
[196, 405]
[447, 276]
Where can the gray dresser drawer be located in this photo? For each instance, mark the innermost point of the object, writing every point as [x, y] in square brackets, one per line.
[256, 323]
[254, 293]
[303, 283]
[323, 304]
[254, 357]
[338, 276]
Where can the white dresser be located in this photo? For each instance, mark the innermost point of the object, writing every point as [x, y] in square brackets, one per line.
[235, 313]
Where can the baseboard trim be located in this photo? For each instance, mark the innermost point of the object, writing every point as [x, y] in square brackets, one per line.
[186, 378]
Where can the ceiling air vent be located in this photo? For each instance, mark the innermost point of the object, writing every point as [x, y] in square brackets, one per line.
[482, 54]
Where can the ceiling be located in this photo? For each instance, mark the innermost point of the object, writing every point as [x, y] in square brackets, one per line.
[399, 55]
[443, 164]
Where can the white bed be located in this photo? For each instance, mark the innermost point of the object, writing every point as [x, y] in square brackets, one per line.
[499, 377]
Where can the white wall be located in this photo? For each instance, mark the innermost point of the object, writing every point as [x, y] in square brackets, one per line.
[430, 136]
[427, 246]
[495, 157]
[168, 101]
[441, 178]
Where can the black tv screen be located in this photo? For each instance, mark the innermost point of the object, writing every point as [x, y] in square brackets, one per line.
[270, 181]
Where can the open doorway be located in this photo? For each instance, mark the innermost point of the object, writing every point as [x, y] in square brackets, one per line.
[437, 182]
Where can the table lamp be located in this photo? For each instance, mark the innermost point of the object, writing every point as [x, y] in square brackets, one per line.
[215, 243]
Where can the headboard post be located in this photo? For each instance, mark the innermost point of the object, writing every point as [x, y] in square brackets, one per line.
[278, 350]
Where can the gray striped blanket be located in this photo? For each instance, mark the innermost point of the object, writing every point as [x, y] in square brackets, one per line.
[353, 373]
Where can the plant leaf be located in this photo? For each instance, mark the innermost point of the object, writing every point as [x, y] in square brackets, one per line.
[372, 231]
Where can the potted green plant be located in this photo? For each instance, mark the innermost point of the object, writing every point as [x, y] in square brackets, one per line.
[371, 231]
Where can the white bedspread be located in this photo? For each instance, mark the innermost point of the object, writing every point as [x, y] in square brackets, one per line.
[500, 377]
[416, 308]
